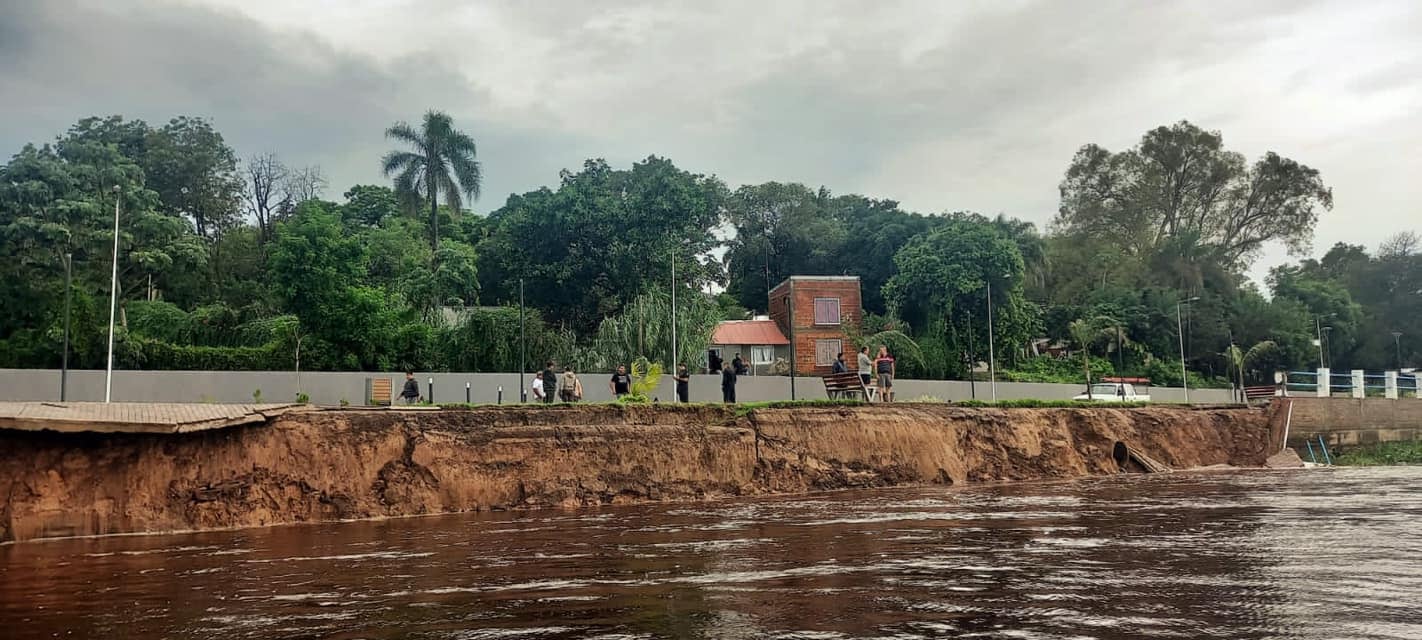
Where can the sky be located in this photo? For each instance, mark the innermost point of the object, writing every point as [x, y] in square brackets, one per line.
[942, 106]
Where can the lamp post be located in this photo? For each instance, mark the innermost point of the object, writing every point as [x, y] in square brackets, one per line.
[1327, 351]
[113, 301]
[992, 354]
[64, 361]
[1397, 342]
[522, 347]
[1180, 330]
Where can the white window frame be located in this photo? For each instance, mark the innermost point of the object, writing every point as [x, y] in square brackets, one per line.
[760, 348]
[838, 312]
[839, 347]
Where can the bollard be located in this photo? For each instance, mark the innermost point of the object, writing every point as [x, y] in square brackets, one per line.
[431, 390]
[466, 394]
[501, 394]
[1358, 389]
[1324, 382]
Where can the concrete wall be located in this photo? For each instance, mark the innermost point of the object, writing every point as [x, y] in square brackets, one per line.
[332, 387]
[1354, 421]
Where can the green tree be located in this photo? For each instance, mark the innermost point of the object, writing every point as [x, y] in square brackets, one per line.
[443, 162]
[1180, 184]
[586, 250]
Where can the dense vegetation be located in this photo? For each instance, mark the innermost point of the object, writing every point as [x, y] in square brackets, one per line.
[249, 264]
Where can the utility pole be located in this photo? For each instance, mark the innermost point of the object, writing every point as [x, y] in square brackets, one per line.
[113, 302]
[64, 361]
[672, 364]
[968, 356]
[1397, 342]
[522, 347]
[992, 355]
[1180, 329]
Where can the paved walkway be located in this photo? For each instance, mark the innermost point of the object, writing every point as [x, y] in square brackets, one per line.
[124, 417]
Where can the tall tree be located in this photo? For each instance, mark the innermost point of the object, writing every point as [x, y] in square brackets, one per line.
[195, 174]
[1179, 184]
[443, 162]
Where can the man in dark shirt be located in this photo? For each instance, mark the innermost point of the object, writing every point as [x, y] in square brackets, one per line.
[550, 382]
[621, 383]
[683, 383]
[839, 366]
[728, 385]
[713, 364]
[411, 393]
[740, 366]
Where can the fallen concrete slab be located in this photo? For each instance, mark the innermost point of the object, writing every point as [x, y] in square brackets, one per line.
[121, 417]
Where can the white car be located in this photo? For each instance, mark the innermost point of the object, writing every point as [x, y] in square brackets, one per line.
[1113, 392]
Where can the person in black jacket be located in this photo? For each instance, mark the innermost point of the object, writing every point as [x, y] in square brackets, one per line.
[728, 385]
[683, 384]
[550, 382]
[411, 394]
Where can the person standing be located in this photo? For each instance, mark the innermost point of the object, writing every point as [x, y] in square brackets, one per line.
[411, 393]
[683, 384]
[714, 363]
[740, 366]
[621, 383]
[572, 388]
[550, 382]
[538, 395]
[884, 365]
[728, 385]
[866, 368]
[839, 366]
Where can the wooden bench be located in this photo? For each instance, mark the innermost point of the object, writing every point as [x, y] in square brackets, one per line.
[1260, 393]
[845, 385]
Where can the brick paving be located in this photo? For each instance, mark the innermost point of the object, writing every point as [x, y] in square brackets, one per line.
[126, 417]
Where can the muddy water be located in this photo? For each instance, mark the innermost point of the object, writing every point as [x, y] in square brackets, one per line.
[1319, 554]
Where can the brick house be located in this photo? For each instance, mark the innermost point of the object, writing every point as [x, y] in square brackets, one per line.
[827, 310]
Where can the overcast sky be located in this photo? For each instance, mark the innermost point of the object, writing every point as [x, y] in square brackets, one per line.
[943, 106]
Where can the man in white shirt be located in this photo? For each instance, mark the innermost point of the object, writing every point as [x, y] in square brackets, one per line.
[538, 388]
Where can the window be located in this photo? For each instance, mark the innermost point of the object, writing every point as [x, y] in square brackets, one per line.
[826, 351]
[826, 310]
[762, 355]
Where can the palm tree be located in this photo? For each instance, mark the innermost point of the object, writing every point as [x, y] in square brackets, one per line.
[1085, 333]
[443, 163]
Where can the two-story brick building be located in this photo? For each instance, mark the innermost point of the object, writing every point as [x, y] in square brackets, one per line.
[827, 309]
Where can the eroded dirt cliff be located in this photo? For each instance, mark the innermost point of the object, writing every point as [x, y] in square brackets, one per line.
[361, 464]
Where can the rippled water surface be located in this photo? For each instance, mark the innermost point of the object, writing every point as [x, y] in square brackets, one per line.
[1298, 554]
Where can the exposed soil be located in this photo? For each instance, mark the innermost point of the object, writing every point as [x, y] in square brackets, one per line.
[363, 464]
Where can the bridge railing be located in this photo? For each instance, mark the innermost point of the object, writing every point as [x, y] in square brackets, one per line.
[1355, 384]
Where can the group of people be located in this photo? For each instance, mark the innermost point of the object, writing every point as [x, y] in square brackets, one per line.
[546, 384]
[877, 372]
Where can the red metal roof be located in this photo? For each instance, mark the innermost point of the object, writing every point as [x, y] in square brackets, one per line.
[752, 332]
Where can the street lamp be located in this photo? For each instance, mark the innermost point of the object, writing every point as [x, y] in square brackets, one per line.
[113, 300]
[992, 355]
[1327, 351]
[1397, 342]
[1318, 326]
[64, 361]
[1180, 330]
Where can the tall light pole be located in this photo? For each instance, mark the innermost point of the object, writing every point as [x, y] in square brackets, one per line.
[64, 362]
[522, 348]
[1397, 342]
[1318, 326]
[113, 301]
[672, 364]
[992, 355]
[1327, 351]
[1180, 329]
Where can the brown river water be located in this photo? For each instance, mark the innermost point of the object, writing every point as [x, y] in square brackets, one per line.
[1258, 554]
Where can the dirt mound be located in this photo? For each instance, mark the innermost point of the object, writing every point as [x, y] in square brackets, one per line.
[363, 464]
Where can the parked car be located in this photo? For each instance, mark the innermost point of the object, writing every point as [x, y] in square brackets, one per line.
[1113, 392]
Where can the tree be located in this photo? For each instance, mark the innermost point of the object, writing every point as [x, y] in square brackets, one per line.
[586, 250]
[261, 191]
[443, 162]
[1180, 184]
[195, 174]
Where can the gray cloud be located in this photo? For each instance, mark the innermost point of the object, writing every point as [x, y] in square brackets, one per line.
[940, 105]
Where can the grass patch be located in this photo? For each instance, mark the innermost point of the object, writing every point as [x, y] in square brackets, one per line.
[745, 408]
[1381, 454]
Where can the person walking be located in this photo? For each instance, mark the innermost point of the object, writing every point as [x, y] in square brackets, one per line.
[572, 388]
[866, 368]
[728, 385]
[683, 384]
[411, 393]
[884, 365]
[621, 383]
[550, 382]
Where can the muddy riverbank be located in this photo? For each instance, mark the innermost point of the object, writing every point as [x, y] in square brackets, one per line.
[337, 465]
